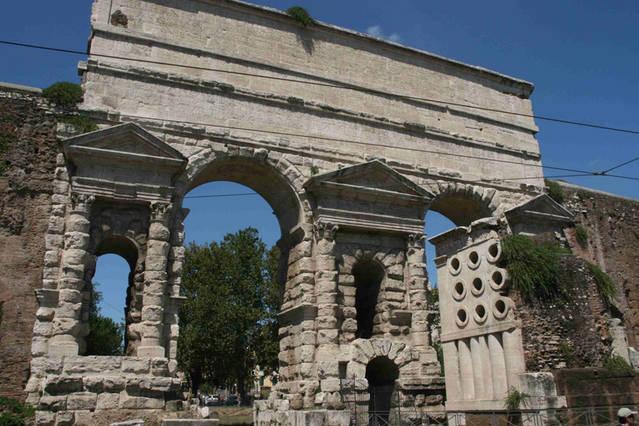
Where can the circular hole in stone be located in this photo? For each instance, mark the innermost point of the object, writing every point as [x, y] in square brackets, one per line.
[501, 309]
[455, 265]
[478, 286]
[480, 312]
[473, 257]
[462, 317]
[493, 250]
[459, 290]
[498, 279]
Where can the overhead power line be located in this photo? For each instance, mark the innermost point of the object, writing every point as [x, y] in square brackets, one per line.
[355, 142]
[346, 86]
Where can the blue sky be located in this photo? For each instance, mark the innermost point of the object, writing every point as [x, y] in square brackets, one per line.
[582, 56]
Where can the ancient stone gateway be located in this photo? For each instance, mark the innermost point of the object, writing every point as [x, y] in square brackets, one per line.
[350, 171]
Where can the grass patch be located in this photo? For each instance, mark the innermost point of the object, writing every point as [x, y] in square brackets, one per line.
[300, 15]
[14, 413]
[82, 123]
[534, 268]
[64, 94]
[618, 366]
[555, 191]
[581, 234]
[605, 284]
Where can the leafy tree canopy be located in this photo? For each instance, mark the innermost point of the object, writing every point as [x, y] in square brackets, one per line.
[105, 335]
[228, 323]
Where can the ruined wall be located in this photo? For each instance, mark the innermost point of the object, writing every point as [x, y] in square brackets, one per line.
[612, 224]
[569, 333]
[28, 152]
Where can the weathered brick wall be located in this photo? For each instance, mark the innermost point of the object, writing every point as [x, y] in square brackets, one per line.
[613, 228]
[569, 333]
[28, 155]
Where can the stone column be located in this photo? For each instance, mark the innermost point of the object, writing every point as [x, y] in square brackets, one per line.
[155, 282]
[327, 310]
[416, 276]
[176, 259]
[68, 328]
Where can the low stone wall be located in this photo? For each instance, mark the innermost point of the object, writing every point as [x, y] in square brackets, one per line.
[75, 390]
[596, 388]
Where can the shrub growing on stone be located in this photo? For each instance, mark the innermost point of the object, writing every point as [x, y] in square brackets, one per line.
[581, 234]
[300, 15]
[605, 284]
[618, 366]
[533, 267]
[14, 413]
[554, 191]
[64, 94]
[82, 124]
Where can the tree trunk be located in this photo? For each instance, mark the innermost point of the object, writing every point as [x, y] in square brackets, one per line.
[196, 380]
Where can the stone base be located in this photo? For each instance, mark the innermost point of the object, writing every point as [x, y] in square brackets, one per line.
[270, 417]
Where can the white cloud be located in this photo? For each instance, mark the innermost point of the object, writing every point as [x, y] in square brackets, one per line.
[376, 31]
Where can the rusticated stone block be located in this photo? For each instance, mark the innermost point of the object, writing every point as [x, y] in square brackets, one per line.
[82, 401]
[107, 401]
[60, 385]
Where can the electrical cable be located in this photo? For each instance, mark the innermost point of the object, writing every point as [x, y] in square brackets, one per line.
[337, 86]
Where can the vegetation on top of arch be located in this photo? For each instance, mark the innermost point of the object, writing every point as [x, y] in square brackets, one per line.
[300, 15]
[534, 268]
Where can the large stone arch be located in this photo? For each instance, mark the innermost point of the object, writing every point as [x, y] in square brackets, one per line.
[463, 203]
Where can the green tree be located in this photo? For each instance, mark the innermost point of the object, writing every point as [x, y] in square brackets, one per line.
[228, 322]
[105, 335]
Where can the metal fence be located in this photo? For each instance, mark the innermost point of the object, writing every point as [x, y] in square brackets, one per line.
[382, 408]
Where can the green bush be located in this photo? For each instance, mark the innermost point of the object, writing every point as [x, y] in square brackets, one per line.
[534, 268]
[581, 234]
[605, 284]
[64, 94]
[515, 399]
[618, 366]
[82, 123]
[14, 413]
[300, 15]
[555, 191]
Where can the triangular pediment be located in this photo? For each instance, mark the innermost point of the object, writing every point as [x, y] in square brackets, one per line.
[370, 175]
[542, 207]
[127, 140]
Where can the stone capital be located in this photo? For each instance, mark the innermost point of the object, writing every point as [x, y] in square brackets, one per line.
[160, 211]
[81, 203]
[416, 241]
[325, 231]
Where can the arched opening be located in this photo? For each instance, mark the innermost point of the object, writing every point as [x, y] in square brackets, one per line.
[435, 223]
[461, 208]
[368, 276]
[114, 302]
[232, 201]
[381, 374]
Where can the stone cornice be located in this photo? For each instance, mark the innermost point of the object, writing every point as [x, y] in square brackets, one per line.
[224, 89]
[283, 145]
[110, 31]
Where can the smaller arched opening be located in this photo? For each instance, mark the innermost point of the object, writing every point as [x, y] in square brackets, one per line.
[381, 374]
[368, 276]
[114, 302]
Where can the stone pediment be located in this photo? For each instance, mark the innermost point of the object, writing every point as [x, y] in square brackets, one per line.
[124, 162]
[129, 141]
[540, 215]
[371, 176]
[369, 196]
[541, 207]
